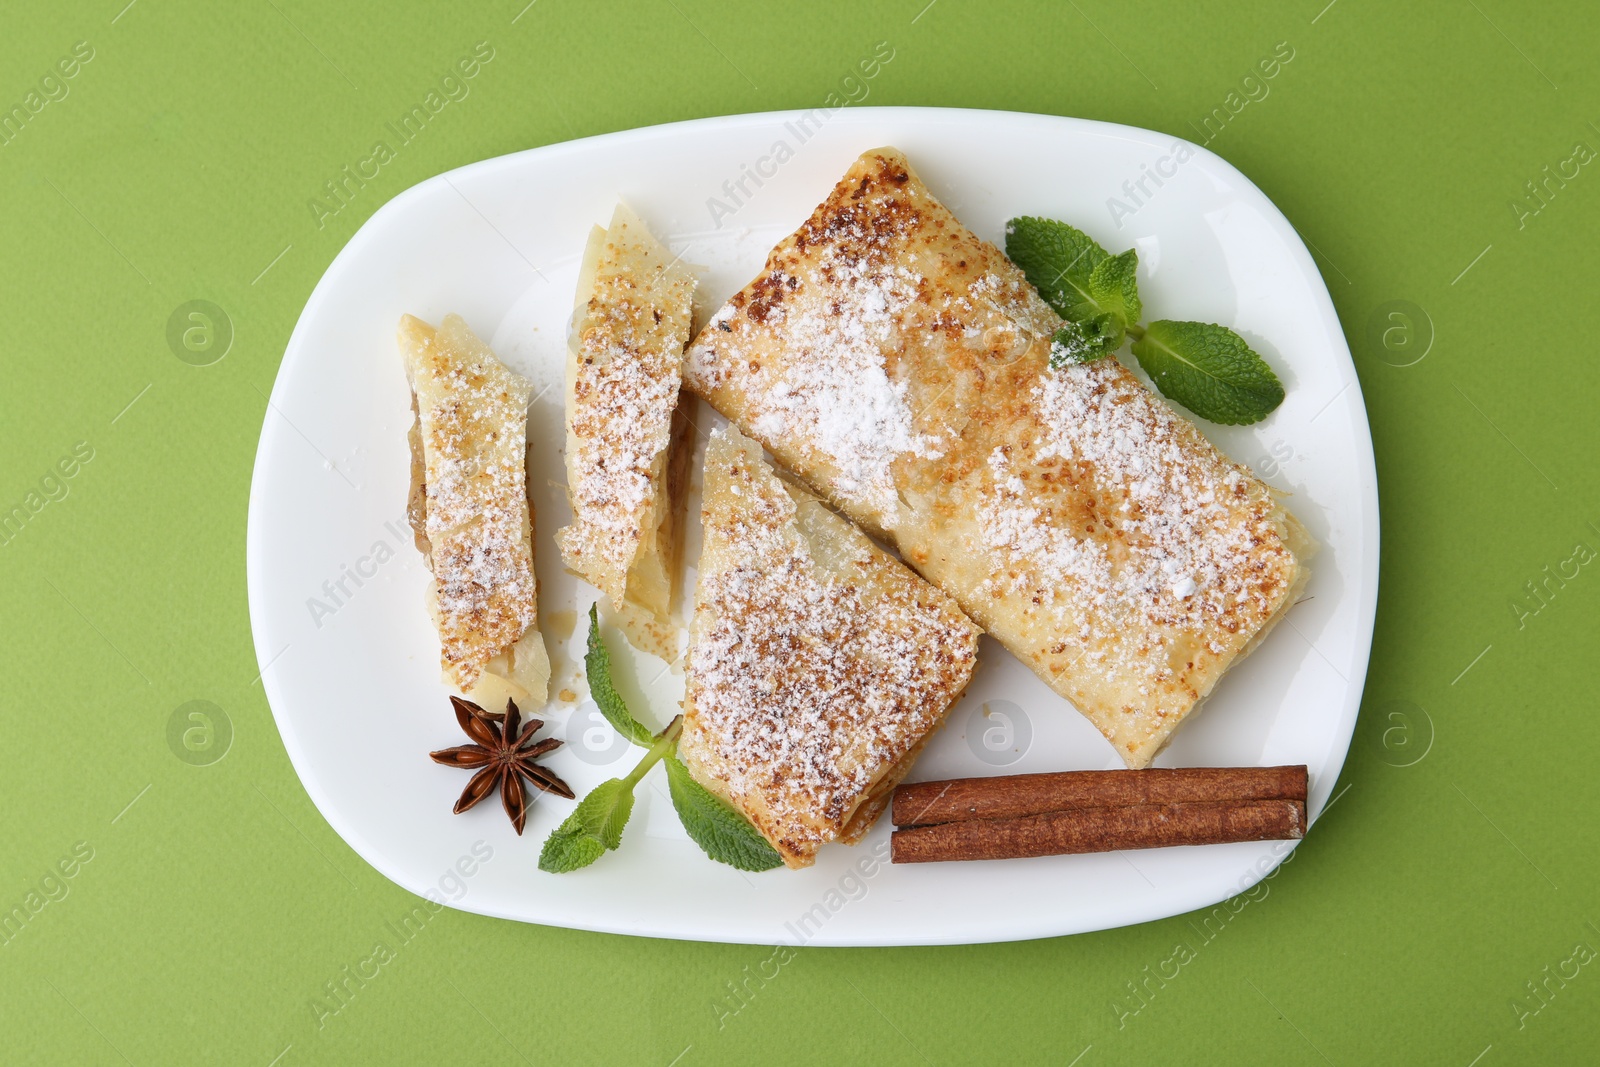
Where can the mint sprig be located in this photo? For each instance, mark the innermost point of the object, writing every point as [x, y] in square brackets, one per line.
[1114, 287]
[597, 666]
[1206, 368]
[596, 824]
[1209, 370]
[594, 827]
[724, 834]
[1058, 259]
[1096, 292]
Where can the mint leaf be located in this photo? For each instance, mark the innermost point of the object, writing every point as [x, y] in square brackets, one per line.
[564, 853]
[1209, 370]
[724, 834]
[1082, 281]
[1114, 286]
[594, 826]
[1058, 260]
[597, 665]
[1085, 342]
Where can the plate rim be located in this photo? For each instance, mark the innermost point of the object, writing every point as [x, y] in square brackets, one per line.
[1368, 530]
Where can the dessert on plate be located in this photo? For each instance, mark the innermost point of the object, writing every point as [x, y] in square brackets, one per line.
[818, 664]
[471, 514]
[900, 366]
[626, 435]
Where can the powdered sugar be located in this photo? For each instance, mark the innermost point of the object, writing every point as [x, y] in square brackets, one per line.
[623, 380]
[621, 423]
[472, 413]
[1188, 528]
[831, 394]
[835, 390]
[1016, 526]
[808, 685]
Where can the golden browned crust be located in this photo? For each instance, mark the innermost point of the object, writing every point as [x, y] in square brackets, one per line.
[900, 366]
[818, 664]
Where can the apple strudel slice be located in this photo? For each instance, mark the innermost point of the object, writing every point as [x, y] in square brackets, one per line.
[626, 437]
[818, 664]
[471, 513]
[900, 366]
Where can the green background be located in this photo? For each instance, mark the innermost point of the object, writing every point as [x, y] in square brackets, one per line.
[1457, 863]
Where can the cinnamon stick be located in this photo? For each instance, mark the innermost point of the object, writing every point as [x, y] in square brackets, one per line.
[1018, 795]
[1101, 829]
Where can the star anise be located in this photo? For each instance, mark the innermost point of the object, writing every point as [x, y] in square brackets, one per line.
[505, 757]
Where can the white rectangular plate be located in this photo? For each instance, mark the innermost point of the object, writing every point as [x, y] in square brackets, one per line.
[350, 660]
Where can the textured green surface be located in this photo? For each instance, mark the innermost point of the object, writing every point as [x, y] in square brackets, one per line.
[216, 908]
